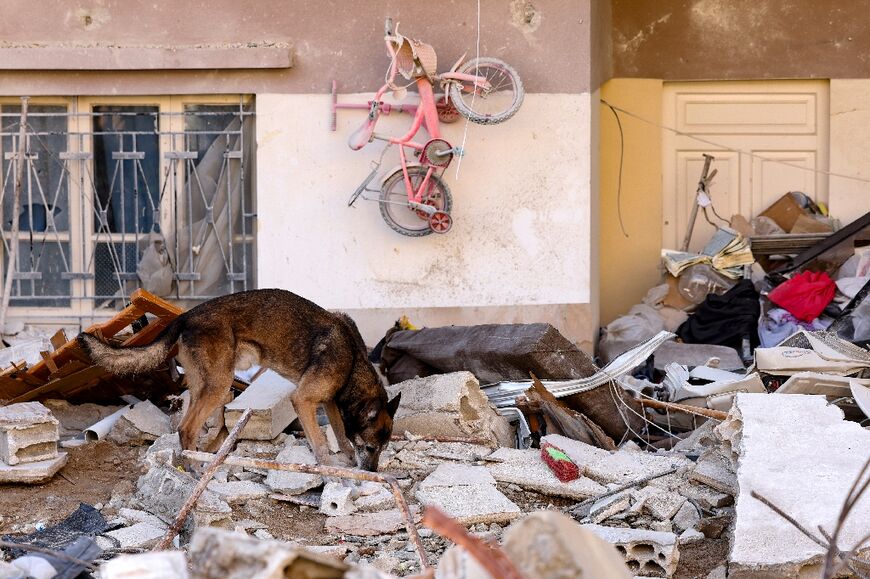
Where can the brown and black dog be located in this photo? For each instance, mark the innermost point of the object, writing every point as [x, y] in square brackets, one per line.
[322, 352]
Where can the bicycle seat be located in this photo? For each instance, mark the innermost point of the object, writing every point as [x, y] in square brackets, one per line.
[415, 58]
[362, 136]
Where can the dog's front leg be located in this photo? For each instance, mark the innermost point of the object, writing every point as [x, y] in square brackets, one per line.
[337, 424]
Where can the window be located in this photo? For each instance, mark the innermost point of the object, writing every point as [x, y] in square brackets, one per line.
[125, 193]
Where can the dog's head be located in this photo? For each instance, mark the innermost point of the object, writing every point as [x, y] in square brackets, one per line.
[373, 432]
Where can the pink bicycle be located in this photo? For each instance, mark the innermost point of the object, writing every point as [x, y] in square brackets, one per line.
[414, 199]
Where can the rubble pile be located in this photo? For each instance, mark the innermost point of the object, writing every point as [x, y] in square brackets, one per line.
[674, 459]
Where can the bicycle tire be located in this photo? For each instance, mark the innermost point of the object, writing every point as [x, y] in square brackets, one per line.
[401, 218]
[473, 110]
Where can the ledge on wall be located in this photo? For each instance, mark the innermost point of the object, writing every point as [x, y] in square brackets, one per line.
[253, 55]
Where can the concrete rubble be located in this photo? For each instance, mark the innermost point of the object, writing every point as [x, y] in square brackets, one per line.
[645, 505]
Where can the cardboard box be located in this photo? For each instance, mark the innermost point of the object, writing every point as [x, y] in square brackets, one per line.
[785, 212]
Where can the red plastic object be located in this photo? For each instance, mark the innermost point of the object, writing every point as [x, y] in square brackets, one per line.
[560, 463]
[805, 295]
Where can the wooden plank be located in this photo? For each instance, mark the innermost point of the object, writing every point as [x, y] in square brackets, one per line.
[46, 357]
[89, 373]
[155, 305]
[59, 339]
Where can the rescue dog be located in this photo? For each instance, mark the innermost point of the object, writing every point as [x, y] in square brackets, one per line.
[321, 352]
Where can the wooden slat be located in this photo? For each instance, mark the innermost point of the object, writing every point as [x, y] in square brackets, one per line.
[46, 357]
[77, 378]
[59, 339]
[155, 305]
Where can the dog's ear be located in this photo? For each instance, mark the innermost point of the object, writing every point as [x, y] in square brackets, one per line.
[393, 405]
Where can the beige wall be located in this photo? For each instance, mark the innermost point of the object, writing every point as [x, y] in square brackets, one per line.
[850, 143]
[523, 211]
[629, 259]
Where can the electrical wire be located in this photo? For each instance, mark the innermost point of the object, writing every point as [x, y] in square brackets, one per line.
[621, 159]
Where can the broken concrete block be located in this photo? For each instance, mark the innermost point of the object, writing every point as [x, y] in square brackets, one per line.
[137, 516]
[140, 535]
[470, 504]
[163, 490]
[374, 497]
[32, 472]
[220, 554]
[10, 571]
[714, 469]
[293, 483]
[687, 517]
[28, 433]
[798, 452]
[615, 467]
[690, 536]
[337, 500]
[142, 423]
[449, 405]
[75, 418]
[159, 565]
[550, 544]
[609, 506]
[237, 492]
[647, 553]
[661, 504]
[269, 397]
[369, 524]
[526, 469]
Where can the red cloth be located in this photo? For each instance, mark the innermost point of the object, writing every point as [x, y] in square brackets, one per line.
[805, 295]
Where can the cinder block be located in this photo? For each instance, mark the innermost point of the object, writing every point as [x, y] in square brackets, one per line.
[269, 397]
[28, 433]
[337, 500]
[647, 553]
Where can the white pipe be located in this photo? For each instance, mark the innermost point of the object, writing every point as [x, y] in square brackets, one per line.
[102, 428]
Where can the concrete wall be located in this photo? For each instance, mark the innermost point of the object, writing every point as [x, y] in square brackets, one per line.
[630, 219]
[740, 39]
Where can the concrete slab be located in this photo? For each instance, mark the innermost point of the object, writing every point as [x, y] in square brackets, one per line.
[618, 467]
[140, 535]
[163, 490]
[368, 524]
[647, 553]
[143, 422]
[452, 474]
[293, 483]
[798, 452]
[526, 469]
[714, 469]
[32, 472]
[146, 566]
[269, 397]
[237, 492]
[28, 433]
[660, 503]
[470, 504]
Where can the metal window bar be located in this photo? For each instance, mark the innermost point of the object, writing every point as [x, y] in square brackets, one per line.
[192, 186]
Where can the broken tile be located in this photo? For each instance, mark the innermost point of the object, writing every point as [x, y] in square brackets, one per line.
[269, 397]
[28, 433]
[526, 469]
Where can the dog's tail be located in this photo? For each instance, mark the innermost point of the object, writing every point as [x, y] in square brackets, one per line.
[133, 360]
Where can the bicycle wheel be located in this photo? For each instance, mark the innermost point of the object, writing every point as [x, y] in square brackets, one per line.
[488, 107]
[394, 202]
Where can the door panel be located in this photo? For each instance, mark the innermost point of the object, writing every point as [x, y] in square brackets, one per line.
[770, 138]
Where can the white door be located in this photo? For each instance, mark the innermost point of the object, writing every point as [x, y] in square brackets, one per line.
[770, 137]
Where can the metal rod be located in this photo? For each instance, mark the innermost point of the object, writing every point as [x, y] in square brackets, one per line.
[216, 462]
[334, 471]
[16, 209]
[706, 412]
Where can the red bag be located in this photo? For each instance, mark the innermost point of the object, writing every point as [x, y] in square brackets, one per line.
[805, 295]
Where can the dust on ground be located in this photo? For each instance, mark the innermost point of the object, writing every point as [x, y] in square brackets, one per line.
[90, 475]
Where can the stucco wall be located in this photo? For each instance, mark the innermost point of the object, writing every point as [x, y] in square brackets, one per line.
[631, 219]
[740, 39]
[850, 141]
[522, 207]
